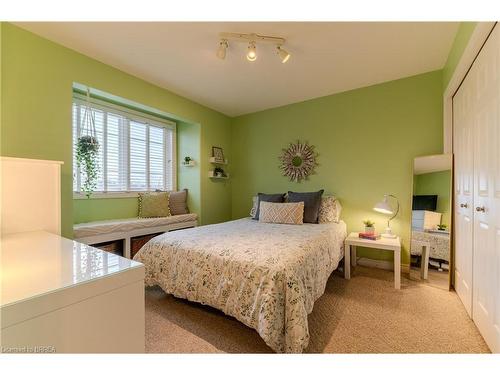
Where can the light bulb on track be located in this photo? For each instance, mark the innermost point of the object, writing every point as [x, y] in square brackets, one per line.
[283, 54]
[221, 51]
[252, 52]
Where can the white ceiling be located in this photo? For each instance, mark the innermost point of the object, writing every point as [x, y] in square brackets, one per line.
[432, 163]
[326, 57]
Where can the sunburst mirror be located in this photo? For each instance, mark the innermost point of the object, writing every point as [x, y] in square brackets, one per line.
[298, 161]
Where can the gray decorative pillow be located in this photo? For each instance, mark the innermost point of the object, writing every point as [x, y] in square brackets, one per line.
[178, 202]
[261, 197]
[153, 205]
[312, 202]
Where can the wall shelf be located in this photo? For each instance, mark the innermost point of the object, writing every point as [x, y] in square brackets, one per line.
[192, 163]
[213, 176]
[212, 160]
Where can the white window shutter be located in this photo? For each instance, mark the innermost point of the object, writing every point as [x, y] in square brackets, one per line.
[135, 152]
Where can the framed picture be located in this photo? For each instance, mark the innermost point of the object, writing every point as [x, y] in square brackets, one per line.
[218, 154]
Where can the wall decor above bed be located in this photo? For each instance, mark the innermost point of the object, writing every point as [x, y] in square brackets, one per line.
[298, 161]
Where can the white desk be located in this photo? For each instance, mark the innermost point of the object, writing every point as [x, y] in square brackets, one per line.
[62, 296]
[392, 244]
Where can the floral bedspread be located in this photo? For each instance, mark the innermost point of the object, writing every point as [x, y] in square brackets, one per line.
[439, 244]
[267, 276]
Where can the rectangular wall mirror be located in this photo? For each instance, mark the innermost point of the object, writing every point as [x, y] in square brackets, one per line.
[431, 220]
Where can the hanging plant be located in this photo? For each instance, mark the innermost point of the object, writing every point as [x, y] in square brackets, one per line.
[87, 150]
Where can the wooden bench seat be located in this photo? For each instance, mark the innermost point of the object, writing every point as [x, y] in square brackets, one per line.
[124, 229]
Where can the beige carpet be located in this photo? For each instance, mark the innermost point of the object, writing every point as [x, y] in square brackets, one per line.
[362, 315]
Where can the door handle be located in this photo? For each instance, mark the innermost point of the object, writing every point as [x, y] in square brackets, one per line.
[480, 209]
[464, 205]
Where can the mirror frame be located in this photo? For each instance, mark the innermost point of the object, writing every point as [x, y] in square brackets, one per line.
[443, 160]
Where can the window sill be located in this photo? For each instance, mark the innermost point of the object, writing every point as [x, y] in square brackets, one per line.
[110, 195]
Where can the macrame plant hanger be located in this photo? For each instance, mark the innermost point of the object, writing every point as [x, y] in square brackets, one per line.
[87, 127]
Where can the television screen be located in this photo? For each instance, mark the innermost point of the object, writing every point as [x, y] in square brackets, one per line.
[425, 202]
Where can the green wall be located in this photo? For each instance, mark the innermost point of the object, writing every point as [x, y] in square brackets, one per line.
[188, 143]
[36, 121]
[366, 139]
[462, 37]
[436, 183]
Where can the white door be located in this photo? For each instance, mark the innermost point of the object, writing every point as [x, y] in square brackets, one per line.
[463, 109]
[486, 257]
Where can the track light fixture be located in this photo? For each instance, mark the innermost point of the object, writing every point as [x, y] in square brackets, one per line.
[252, 51]
[252, 40]
[221, 51]
[283, 54]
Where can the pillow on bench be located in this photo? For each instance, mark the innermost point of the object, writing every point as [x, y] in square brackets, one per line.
[153, 205]
[178, 202]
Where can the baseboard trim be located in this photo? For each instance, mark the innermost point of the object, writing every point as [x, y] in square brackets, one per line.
[382, 264]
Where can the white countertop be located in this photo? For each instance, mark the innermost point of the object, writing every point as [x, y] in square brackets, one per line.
[36, 263]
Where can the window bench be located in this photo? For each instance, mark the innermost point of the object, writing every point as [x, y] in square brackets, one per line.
[124, 229]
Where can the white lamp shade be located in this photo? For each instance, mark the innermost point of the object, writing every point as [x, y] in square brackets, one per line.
[384, 207]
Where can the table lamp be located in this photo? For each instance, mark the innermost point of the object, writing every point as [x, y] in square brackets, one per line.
[385, 208]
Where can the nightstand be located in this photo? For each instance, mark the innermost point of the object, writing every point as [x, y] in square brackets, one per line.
[392, 244]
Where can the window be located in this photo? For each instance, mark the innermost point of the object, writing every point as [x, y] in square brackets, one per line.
[136, 150]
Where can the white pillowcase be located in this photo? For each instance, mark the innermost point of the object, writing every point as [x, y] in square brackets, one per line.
[281, 213]
[329, 210]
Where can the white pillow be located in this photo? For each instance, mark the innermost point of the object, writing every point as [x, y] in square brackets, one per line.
[281, 213]
[329, 210]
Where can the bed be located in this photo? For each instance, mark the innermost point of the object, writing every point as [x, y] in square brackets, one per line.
[267, 276]
[439, 244]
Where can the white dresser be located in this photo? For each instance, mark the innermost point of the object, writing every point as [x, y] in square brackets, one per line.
[62, 296]
[58, 295]
[425, 220]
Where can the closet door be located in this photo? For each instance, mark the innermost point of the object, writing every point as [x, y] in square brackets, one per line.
[486, 257]
[463, 108]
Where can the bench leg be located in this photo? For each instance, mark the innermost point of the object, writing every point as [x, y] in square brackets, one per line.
[127, 248]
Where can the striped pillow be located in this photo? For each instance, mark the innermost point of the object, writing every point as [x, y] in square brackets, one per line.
[177, 202]
[281, 213]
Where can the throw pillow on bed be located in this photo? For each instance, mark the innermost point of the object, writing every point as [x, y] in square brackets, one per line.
[261, 197]
[253, 211]
[177, 202]
[153, 205]
[312, 202]
[281, 213]
[329, 210]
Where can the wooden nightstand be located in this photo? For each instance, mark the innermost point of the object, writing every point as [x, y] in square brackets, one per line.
[392, 244]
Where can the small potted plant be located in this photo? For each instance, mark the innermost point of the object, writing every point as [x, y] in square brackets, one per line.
[369, 226]
[219, 172]
[188, 161]
[442, 227]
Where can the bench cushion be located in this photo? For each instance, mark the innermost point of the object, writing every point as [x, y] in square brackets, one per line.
[96, 228]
